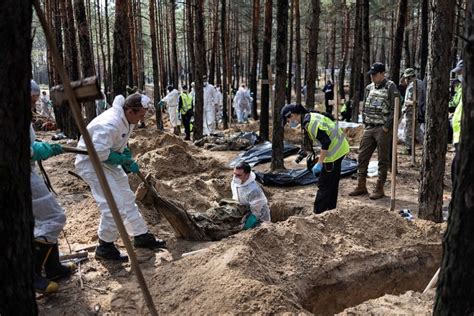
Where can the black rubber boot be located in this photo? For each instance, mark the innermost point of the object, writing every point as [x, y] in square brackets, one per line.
[108, 251]
[41, 253]
[54, 269]
[149, 241]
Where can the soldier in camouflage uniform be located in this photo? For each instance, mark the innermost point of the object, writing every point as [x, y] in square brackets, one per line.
[377, 114]
[410, 76]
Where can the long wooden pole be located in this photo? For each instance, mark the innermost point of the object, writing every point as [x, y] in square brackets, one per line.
[413, 123]
[394, 154]
[94, 157]
[336, 100]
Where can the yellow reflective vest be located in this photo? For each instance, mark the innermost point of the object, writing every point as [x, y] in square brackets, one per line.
[187, 102]
[457, 123]
[339, 145]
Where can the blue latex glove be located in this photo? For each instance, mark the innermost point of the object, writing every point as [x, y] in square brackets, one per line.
[127, 152]
[118, 159]
[133, 167]
[251, 222]
[42, 150]
[317, 168]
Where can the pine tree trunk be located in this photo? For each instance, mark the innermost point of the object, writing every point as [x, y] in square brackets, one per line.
[253, 69]
[456, 279]
[225, 64]
[200, 53]
[398, 40]
[312, 64]
[424, 38]
[87, 61]
[280, 80]
[102, 49]
[345, 49]
[16, 218]
[333, 49]
[356, 75]
[161, 48]
[290, 55]
[190, 24]
[296, 3]
[154, 58]
[265, 87]
[366, 44]
[121, 42]
[174, 51]
[69, 125]
[109, 53]
[430, 196]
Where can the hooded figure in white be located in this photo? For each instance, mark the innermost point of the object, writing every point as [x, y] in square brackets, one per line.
[209, 108]
[172, 99]
[247, 192]
[110, 132]
[242, 102]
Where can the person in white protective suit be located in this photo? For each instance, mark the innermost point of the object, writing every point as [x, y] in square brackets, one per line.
[171, 100]
[219, 104]
[45, 105]
[242, 102]
[209, 107]
[48, 215]
[110, 132]
[247, 192]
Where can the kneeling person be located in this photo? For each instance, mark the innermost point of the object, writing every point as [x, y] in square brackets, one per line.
[110, 132]
[247, 192]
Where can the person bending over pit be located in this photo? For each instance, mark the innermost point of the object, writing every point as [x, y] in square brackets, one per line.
[247, 192]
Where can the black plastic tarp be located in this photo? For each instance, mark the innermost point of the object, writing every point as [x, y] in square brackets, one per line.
[295, 177]
[262, 153]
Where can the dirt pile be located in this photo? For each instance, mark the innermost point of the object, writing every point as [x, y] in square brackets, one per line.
[306, 264]
[354, 135]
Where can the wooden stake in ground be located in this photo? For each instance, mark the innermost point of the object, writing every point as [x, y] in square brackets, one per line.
[413, 123]
[76, 110]
[336, 101]
[396, 110]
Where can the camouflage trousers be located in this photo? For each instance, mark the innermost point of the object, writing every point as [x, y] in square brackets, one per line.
[375, 138]
[408, 112]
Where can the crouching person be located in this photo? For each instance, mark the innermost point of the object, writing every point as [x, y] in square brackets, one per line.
[48, 214]
[110, 132]
[247, 192]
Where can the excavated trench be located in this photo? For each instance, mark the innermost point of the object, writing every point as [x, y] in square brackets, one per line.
[352, 283]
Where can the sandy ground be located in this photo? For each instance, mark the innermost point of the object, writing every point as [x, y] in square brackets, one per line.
[360, 256]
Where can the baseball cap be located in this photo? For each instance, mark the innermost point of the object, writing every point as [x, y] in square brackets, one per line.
[376, 68]
[286, 112]
[459, 66]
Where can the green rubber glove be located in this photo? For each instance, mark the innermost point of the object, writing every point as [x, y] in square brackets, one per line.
[251, 222]
[43, 151]
[127, 152]
[133, 167]
[118, 159]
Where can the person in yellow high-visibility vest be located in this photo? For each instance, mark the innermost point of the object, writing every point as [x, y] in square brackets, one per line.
[185, 109]
[456, 120]
[334, 147]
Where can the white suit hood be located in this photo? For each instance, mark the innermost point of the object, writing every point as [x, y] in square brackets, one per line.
[251, 194]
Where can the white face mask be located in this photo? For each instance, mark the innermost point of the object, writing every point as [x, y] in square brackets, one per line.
[204, 83]
[293, 124]
[460, 78]
[237, 180]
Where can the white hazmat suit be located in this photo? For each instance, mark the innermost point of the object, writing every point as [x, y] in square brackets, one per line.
[251, 194]
[172, 99]
[242, 101]
[110, 131]
[209, 109]
[48, 214]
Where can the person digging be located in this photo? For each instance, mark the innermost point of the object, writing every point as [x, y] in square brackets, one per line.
[110, 132]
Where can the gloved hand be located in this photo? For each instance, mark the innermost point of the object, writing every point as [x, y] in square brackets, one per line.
[133, 167]
[42, 150]
[118, 159]
[127, 152]
[317, 168]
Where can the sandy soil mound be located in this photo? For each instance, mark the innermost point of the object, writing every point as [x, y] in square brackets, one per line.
[285, 267]
[410, 303]
[354, 135]
[147, 140]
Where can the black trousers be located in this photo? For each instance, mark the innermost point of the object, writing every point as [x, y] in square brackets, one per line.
[187, 124]
[326, 198]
